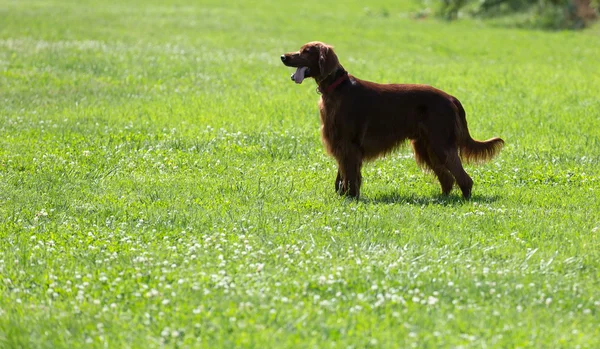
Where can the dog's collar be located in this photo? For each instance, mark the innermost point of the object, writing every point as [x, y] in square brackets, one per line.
[334, 84]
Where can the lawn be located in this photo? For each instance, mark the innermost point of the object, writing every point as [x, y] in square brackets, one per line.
[163, 182]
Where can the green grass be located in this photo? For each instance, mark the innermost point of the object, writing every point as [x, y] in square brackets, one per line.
[163, 183]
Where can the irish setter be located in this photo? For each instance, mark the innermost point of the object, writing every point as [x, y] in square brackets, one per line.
[363, 120]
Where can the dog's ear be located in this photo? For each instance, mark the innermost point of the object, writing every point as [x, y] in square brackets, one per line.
[328, 60]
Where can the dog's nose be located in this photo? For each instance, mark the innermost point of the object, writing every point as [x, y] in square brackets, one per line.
[283, 58]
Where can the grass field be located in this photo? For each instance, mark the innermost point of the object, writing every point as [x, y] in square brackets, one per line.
[163, 183]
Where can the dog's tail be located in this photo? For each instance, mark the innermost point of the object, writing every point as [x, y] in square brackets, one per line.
[472, 150]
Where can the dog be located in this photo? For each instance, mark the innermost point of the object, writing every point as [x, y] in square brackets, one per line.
[363, 120]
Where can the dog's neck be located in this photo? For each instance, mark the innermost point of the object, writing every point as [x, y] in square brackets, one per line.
[333, 80]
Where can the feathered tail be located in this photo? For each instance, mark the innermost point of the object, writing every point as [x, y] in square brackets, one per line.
[472, 150]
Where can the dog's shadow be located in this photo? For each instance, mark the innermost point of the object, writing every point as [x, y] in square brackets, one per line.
[442, 200]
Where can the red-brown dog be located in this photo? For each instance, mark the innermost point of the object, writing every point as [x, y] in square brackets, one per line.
[362, 120]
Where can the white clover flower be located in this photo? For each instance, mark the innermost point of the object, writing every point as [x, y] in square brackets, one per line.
[165, 332]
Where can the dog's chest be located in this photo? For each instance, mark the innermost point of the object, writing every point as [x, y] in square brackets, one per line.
[330, 114]
[329, 110]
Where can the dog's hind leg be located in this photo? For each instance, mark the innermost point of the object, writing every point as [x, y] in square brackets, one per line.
[454, 165]
[425, 158]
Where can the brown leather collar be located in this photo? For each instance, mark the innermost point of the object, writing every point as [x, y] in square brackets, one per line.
[334, 84]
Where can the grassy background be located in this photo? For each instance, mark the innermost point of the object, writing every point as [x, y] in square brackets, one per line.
[162, 182]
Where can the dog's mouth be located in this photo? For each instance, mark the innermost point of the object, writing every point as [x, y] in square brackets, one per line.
[300, 74]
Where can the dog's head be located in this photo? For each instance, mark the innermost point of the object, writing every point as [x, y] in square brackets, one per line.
[314, 60]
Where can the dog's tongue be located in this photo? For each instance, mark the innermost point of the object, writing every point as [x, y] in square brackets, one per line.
[299, 74]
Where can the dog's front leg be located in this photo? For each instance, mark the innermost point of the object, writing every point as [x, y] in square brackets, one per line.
[349, 174]
[338, 183]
